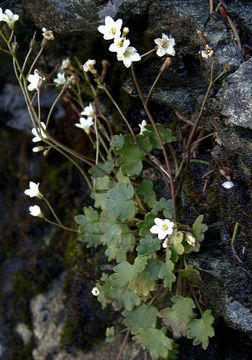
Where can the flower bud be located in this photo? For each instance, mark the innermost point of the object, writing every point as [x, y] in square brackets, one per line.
[125, 31]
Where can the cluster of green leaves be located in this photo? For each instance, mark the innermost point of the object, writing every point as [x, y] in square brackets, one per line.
[120, 222]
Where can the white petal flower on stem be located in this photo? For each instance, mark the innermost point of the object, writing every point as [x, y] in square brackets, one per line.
[88, 111]
[142, 127]
[40, 133]
[228, 185]
[10, 18]
[165, 45]
[35, 211]
[35, 81]
[162, 228]
[190, 239]
[38, 148]
[66, 64]
[129, 56]
[207, 53]
[85, 124]
[33, 190]
[48, 34]
[111, 29]
[60, 79]
[95, 291]
[119, 45]
[89, 66]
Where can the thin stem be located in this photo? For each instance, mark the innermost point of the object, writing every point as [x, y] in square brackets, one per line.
[60, 225]
[34, 61]
[196, 300]
[51, 208]
[167, 162]
[28, 53]
[123, 344]
[152, 87]
[54, 104]
[148, 52]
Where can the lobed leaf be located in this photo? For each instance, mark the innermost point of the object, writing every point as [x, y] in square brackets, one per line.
[201, 329]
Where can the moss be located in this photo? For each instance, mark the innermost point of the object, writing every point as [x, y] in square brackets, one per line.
[24, 353]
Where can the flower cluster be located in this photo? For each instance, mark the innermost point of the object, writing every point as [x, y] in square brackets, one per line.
[86, 122]
[8, 17]
[121, 46]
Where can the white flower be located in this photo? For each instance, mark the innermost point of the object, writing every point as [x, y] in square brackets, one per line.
[119, 45]
[208, 52]
[40, 133]
[66, 64]
[60, 79]
[129, 56]
[228, 185]
[162, 228]
[190, 239]
[111, 29]
[89, 66]
[35, 211]
[33, 191]
[85, 124]
[88, 111]
[35, 81]
[95, 291]
[48, 34]
[10, 18]
[38, 148]
[142, 127]
[165, 45]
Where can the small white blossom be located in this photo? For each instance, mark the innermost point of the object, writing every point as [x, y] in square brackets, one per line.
[165, 242]
[40, 133]
[129, 56]
[228, 185]
[162, 228]
[165, 45]
[142, 127]
[190, 239]
[10, 18]
[89, 66]
[35, 211]
[35, 81]
[60, 79]
[38, 148]
[85, 124]
[48, 34]
[207, 53]
[119, 45]
[66, 64]
[33, 190]
[95, 291]
[88, 111]
[111, 29]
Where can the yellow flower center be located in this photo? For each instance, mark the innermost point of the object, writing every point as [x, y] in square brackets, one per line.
[164, 227]
[112, 31]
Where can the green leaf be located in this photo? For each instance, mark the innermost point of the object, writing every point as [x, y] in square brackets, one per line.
[201, 329]
[165, 133]
[110, 335]
[125, 273]
[90, 228]
[153, 267]
[107, 166]
[131, 155]
[120, 199]
[143, 284]
[191, 274]
[148, 245]
[176, 240]
[199, 228]
[145, 190]
[140, 318]
[165, 206]
[177, 317]
[154, 341]
[118, 142]
[100, 194]
[166, 273]
[145, 225]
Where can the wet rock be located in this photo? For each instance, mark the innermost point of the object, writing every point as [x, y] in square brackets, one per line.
[14, 106]
[235, 98]
[24, 332]
[227, 287]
